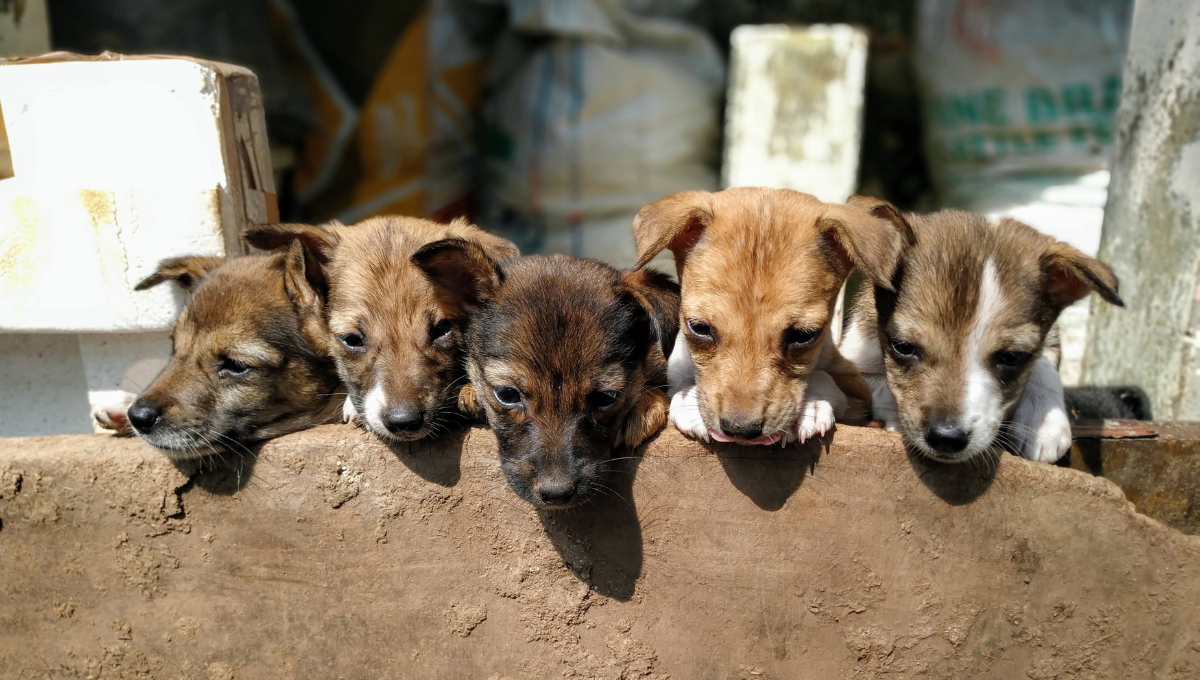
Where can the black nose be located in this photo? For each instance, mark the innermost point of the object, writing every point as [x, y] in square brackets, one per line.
[946, 438]
[402, 419]
[143, 416]
[556, 493]
[742, 429]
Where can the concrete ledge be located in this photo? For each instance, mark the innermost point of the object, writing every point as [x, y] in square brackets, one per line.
[335, 557]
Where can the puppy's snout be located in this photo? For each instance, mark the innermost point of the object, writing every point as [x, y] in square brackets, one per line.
[947, 437]
[556, 492]
[144, 415]
[742, 427]
[403, 419]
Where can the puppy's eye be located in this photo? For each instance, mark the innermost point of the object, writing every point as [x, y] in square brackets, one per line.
[231, 368]
[354, 342]
[507, 395]
[905, 351]
[440, 330]
[701, 330]
[600, 401]
[798, 338]
[1008, 359]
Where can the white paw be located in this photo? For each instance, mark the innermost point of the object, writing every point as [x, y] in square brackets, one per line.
[110, 415]
[349, 415]
[816, 419]
[685, 414]
[1052, 439]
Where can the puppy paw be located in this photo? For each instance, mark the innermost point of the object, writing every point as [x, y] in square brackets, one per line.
[468, 402]
[648, 416]
[685, 414]
[1052, 439]
[349, 415]
[816, 419]
[113, 416]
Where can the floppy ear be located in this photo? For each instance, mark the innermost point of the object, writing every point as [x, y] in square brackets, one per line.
[461, 270]
[320, 240]
[186, 271]
[674, 222]
[1070, 275]
[499, 249]
[884, 210]
[305, 287]
[658, 295]
[855, 238]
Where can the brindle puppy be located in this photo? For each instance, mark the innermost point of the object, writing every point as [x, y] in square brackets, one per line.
[566, 358]
[249, 358]
[397, 340]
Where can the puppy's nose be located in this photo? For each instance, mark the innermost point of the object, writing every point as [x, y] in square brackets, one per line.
[557, 492]
[946, 438]
[144, 416]
[742, 428]
[401, 419]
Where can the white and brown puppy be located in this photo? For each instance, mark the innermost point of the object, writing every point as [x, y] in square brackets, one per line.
[249, 358]
[398, 340]
[760, 271]
[961, 351]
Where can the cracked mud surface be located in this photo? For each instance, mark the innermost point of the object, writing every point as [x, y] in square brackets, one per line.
[335, 556]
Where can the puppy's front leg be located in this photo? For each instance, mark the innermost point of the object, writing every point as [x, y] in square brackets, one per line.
[823, 404]
[349, 414]
[681, 381]
[648, 416]
[112, 416]
[1041, 428]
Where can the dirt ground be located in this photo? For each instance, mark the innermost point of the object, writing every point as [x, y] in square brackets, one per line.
[335, 557]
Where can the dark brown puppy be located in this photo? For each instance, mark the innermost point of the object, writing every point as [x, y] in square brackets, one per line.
[397, 342]
[249, 358]
[566, 358]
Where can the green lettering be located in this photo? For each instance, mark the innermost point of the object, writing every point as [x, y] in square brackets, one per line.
[1110, 95]
[1040, 105]
[993, 107]
[1077, 100]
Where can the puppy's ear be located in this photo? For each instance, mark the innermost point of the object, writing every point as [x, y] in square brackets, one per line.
[1069, 275]
[497, 248]
[884, 210]
[305, 285]
[461, 270]
[658, 295]
[320, 240]
[186, 271]
[675, 222]
[857, 238]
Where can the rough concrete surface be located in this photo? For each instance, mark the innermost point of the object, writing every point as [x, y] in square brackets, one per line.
[335, 557]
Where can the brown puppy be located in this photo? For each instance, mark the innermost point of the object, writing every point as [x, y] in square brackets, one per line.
[760, 270]
[249, 357]
[566, 359]
[963, 352]
[397, 339]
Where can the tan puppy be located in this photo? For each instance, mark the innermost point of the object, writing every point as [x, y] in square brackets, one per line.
[397, 338]
[760, 271]
[962, 352]
[249, 359]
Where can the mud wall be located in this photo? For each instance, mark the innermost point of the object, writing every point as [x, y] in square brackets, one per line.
[332, 556]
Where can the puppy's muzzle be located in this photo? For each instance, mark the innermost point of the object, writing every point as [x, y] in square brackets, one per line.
[946, 437]
[403, 420]
[144, 415]
[742, 428]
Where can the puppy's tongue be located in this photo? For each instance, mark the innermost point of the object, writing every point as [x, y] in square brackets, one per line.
[761, 441]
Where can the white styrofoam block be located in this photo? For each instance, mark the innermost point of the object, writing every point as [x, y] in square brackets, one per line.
[119, 164]
[794, 117]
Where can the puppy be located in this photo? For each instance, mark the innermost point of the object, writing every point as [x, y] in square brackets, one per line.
[249, 358]
[761, 270]
[961, 351]
[397, 339]
[566, 360]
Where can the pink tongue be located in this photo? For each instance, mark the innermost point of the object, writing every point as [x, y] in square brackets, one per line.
[761, 441]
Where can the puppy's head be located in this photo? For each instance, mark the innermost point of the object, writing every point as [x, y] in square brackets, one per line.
[248, 357]
[760, 270]
[967, 318]
[397, 339]
[566, 358]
